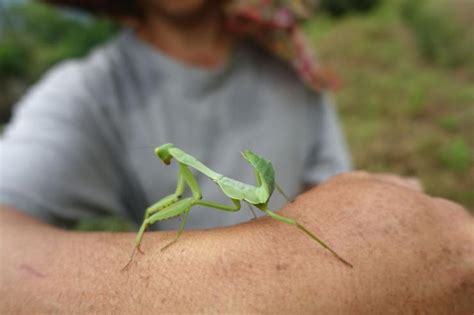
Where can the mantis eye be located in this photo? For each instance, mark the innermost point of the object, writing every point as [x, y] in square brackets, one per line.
[163, 153]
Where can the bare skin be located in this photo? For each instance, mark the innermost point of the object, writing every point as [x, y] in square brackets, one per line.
[411, 253]
[190, 31]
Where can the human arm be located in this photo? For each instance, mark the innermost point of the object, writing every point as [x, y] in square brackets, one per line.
[410, 252]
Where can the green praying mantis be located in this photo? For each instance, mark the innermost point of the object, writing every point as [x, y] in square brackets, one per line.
[173, 205]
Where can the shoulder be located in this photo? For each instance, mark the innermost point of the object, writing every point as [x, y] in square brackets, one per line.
[87, 74]
[75, 85]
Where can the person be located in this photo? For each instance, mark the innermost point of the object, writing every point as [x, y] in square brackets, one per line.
[81, 141]
[180, 78]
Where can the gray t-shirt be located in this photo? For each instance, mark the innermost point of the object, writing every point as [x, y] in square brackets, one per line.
[81, 141]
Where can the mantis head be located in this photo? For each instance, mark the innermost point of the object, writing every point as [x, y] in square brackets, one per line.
[163, 153]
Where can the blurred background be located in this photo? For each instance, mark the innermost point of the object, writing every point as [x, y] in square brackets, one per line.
[407, 67]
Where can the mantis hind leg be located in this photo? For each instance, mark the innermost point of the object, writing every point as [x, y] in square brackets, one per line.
[220, 206]
[306, 231]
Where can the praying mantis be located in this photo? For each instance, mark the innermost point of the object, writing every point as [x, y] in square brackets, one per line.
[173, 205]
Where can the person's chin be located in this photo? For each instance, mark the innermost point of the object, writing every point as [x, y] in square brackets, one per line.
[181, 9]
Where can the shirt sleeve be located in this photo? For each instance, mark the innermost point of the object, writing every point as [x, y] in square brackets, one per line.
[55, 161]
[328, 154]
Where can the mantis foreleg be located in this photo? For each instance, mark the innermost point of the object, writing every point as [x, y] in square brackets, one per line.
[168, 200]
[190, 180]
[164, 203]
[184, 177]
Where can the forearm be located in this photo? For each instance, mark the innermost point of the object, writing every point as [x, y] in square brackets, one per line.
[248, 267]
[409, 251]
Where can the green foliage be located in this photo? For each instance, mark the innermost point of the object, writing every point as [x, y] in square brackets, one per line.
[449, 123]
[14, 58]
[456, 156]
[50, 35]
[35, 36]
[439, 35]
[402, 113]
[343, 7]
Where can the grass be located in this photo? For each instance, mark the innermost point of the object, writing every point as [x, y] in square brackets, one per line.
[403, 112]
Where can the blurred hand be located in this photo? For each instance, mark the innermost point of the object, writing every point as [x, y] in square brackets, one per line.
[411, 252]
[408, 182]
[404, 181]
